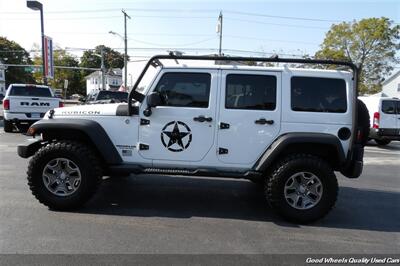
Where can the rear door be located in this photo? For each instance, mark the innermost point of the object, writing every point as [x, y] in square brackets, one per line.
[388, 117]
[249, 117]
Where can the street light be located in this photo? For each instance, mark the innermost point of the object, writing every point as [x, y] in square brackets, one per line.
[36, 5]
[125, 56]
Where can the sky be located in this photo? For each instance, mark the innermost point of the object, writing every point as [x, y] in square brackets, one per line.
[249, 27]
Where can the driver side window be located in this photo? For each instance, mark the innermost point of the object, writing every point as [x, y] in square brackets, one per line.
[185, 89]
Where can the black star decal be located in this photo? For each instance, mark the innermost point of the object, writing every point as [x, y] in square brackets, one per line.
[176, 136]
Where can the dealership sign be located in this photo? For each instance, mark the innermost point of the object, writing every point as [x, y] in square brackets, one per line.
[48, 57]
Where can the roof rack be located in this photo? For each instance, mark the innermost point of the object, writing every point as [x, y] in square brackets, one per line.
[155, 61]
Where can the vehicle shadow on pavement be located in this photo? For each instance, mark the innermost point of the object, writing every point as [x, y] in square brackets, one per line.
[181, 197]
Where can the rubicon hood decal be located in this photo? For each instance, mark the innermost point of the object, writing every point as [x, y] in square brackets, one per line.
[87, 110]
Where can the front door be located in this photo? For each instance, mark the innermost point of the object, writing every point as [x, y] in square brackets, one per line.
[182, 128]
[249, 118]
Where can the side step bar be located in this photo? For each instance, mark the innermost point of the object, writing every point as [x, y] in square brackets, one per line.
[125, 169]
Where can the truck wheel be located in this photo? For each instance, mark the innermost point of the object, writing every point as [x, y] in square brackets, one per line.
[64, 175]
[302, 188]
[8, 126]
[382, 142]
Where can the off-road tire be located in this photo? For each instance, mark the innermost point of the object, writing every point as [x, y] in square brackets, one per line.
[282, 171]
[382, 142]
[8, 126]
[363, 121]
[83, 156]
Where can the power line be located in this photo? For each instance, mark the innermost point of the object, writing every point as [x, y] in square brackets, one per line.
[186, 44]
[281, 17]
[277, 24]
[111, 17]
[269, 40]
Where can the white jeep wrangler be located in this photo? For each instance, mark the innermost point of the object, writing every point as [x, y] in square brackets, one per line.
[287, 129]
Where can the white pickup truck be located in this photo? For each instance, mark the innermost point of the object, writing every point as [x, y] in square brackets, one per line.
[26, 104]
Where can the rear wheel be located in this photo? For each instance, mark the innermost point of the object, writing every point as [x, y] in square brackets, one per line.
[64, 175]
[382, 142]
[302, 188]
[8, 126]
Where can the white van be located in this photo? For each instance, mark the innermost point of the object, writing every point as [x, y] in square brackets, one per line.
[384, 113]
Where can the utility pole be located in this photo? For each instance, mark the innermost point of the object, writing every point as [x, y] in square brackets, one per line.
[219, 30]
[126, 51]
[103, 70]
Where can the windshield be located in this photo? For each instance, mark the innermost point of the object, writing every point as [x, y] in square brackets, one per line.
[108, 95]
[30, 91]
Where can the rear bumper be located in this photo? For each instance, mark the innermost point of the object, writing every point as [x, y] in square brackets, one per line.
[29, 147]
[354, 165]
[385, 133]
[22, 116]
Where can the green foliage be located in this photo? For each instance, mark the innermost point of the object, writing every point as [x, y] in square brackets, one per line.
[112, 58]
[12, 53]
[62, 58]
[372, 43]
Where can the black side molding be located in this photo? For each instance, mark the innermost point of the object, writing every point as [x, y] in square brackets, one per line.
[93, 130]
[282, 143]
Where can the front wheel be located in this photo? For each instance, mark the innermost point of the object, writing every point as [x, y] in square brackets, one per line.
[382, 142]
[64, 175]
[302, 188]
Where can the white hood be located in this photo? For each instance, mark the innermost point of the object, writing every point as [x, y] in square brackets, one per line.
[87, 110]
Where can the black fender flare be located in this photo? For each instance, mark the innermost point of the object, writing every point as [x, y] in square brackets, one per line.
[93, 130]
[279, 146]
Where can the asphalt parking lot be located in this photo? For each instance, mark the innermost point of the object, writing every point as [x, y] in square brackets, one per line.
[154, 214]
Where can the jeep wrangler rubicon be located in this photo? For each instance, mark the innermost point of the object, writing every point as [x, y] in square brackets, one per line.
[288, 129]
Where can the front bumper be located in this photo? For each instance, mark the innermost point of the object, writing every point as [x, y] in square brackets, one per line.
[29, 147]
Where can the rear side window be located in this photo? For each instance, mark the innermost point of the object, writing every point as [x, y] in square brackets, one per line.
[256, 92]
[309, 94]
[185, 89]
[30, 91]
[389, 107]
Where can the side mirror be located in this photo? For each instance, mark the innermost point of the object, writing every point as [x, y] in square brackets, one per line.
[153, 99]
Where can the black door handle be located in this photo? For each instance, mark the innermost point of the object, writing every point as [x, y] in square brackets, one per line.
[202, 118]
[263, 121]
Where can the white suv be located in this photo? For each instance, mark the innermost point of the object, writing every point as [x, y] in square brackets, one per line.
[285, 129]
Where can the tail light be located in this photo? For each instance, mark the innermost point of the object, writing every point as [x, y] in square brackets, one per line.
[6, 104]
[376, 120]
[61, 104]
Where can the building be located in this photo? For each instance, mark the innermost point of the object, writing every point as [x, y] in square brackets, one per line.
[113, 80]
[391, 86]
[2, 79]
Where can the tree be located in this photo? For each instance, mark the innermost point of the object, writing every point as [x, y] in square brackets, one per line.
[62, 58]
[371, 43]
[92, 59]
[112, 58]
[12, 53]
